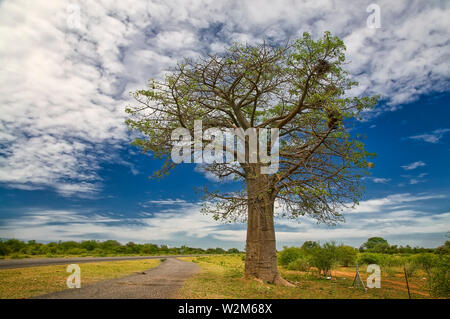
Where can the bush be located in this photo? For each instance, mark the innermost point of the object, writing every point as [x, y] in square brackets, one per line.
[426, 261]
[14, 245]
[439, 279]
[411, 267]
[3, 249]
[301, 264]
[308, 246]
[288, 255]
[444, 249]
[233, 251]
[324, 258]
[370, 258]
[389, 270]
[346, 255]
[89, 245]
[391, 261]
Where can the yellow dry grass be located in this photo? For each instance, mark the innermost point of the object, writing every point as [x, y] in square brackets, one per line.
[221, 277]
[34, 281]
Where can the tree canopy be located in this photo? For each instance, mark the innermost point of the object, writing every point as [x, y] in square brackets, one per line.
[298, 88]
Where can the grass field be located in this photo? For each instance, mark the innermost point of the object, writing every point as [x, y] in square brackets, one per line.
[221, 277]
[34, 281]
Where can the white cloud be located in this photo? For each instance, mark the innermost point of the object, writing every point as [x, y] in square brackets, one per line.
[167, 202]
[380, 180]
[392, 201]
[63, 90]
[394, 215]
[413, 165]
[433, 137]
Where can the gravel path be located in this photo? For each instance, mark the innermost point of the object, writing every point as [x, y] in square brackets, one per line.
[160, 282]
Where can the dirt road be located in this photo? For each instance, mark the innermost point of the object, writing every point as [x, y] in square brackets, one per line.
[160, 282]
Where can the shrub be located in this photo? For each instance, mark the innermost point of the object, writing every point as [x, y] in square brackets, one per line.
[14, 245]
[411, 267]
[3, 249]
[444, 249]
[389, 270]
[301, 263]
[89, 245]
[370, 258]
[324, 258]
[233, 251]
[426, 261]
[308, 246]
[439, 279]
[391, 261]
[346, 255]
[288, 255]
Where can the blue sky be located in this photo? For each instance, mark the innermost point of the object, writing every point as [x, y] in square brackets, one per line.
[67, 171]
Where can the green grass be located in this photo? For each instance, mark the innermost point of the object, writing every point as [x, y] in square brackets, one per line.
[34, 281]
[221, 277]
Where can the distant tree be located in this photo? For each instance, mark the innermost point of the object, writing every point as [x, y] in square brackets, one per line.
[233, 251]
[444, 249]
[219, 250]
[405, 249]
[67, 245]
[15, 245]
[4, 250]
[393, 249]
[152, 249]
[132, 248]
[299, 89]
[89, 245]
[164, 248]
[376, 244]
[109, 245]
[288, 255]
[308, 245]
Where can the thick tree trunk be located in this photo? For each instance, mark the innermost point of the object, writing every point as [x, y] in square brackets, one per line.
[261, 257]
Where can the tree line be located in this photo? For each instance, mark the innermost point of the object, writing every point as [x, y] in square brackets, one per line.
[381, 245]
[16, 248]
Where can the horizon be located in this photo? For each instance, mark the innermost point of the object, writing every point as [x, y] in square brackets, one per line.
[206, 248]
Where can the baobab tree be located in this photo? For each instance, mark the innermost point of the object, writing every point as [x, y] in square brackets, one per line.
[298, 88]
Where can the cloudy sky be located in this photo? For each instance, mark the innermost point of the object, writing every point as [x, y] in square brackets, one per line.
[67, 67]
